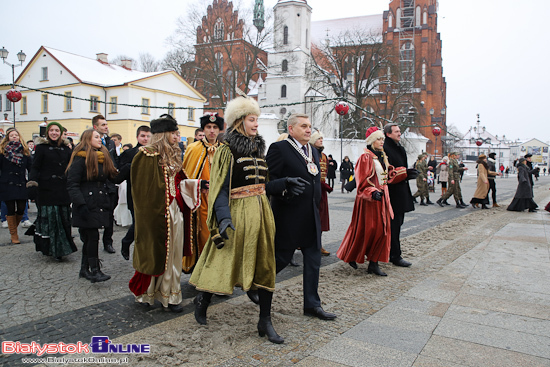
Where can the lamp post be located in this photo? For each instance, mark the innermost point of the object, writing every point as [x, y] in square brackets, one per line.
[479, 140]
[342, 108]
[13, 95]
[436, 131]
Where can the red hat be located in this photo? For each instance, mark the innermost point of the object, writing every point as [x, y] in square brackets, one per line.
[373, 134]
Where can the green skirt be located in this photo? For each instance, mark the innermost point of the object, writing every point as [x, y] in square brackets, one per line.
[248, 258]
[52, 234]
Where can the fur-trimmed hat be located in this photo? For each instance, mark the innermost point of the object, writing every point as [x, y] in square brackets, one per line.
[482, 156]
[240, 107]
[315, 136]
[163, 124]
[373, 134]
[212, 118]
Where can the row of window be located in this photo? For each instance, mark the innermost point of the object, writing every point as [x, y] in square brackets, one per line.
[407, 19]
[94, 105]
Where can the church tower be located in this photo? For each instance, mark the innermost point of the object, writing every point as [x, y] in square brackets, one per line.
[286, 79]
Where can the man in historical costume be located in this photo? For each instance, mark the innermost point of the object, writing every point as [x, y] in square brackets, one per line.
[163, 201]
[197, 163]
[422, 180]
[297, 218]
[454, 183]
[143, 134]
[317, 142]
[400, 193]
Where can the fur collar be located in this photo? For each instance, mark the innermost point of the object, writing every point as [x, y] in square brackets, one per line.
[491, 160]
[244, 145]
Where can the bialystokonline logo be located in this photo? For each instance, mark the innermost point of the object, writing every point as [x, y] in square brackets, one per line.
[99, 345]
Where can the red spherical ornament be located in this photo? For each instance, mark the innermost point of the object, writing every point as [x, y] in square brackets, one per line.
[342, 108]
[14, 95]
[478, 143]
[436, 131]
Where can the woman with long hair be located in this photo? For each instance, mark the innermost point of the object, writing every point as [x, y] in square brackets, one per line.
[52, 235]
[346, 171]
[241, 248]
[369, 233]
[87, 173]
[482, 190]
[163, 198]
[15, 163]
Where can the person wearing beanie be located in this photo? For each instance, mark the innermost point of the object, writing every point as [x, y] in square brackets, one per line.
[197, 163]
[454, 183]
[48, 187]
[297, 216]
[369, 233]
[317, 142]
[491, 164]
[163, 198]
[483, 172]
[422, 180]
[241, 249]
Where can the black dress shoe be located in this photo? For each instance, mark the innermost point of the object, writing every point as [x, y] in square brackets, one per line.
[125, 255]
[174, 308]
[375, 269]
[402, 263]
[353, 264]
[319, 313]
[109, 248]
[265, 327]
[253, 295]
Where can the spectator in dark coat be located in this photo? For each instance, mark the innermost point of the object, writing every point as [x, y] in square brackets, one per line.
[346, 171]
[52, 234]
[400, 193]
[87, 175]
[524, 193]
[15, 163]
[332, 166]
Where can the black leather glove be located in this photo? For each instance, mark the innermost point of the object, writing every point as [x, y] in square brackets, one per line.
[32, 192]
[296, 185]
[205, 184]
[411, 173]
[83, 212]
[224, 224]
[377, 195]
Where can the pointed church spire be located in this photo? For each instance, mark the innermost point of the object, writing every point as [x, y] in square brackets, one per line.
[259, 15]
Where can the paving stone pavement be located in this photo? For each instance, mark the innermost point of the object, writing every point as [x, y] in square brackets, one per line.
[465, 304]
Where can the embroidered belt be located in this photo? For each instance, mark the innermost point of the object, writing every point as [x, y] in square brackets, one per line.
[247, 191]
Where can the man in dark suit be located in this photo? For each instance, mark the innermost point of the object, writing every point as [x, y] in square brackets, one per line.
[143, 135]
[400, 193]
[297, 217]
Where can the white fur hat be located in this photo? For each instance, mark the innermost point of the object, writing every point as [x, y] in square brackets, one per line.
[240, 107]
[373, 134]
[315, 136]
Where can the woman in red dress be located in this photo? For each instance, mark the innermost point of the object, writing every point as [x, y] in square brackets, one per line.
[369, 232]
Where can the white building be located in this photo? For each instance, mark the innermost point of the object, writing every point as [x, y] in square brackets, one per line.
[537, 148]
[68, 88]
[489, 143]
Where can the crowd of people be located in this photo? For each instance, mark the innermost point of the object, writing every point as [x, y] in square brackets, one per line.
[222, 209]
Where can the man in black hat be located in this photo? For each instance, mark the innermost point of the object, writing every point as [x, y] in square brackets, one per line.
[529, 164]
[491, 163]
[196, 163]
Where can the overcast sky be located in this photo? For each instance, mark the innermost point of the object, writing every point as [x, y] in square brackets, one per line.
[494, 54]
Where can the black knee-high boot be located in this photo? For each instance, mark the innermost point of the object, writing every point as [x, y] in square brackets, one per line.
[201, 301]
[264, 325]
[84, 265]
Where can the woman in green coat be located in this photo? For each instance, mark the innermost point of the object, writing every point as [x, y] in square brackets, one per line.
[241, 248]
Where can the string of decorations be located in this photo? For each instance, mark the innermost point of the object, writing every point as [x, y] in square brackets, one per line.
[217, 108]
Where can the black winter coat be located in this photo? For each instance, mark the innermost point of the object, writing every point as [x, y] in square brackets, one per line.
[48, 170]
[91, 193]
[296, 218]
[524, 189]
[332, 166]
[125, 163]
[400, 193]
[346, 170]
[13, 178]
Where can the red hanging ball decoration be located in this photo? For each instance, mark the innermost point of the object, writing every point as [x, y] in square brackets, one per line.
[436, 131]
[342, 108]
[479, 143]
[14, 95]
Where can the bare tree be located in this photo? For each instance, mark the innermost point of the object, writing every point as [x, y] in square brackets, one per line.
[148, 63]
[350, 65]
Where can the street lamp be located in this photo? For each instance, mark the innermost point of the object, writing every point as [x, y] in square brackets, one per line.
[436, 131]
[341, 107]
[13, 95]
